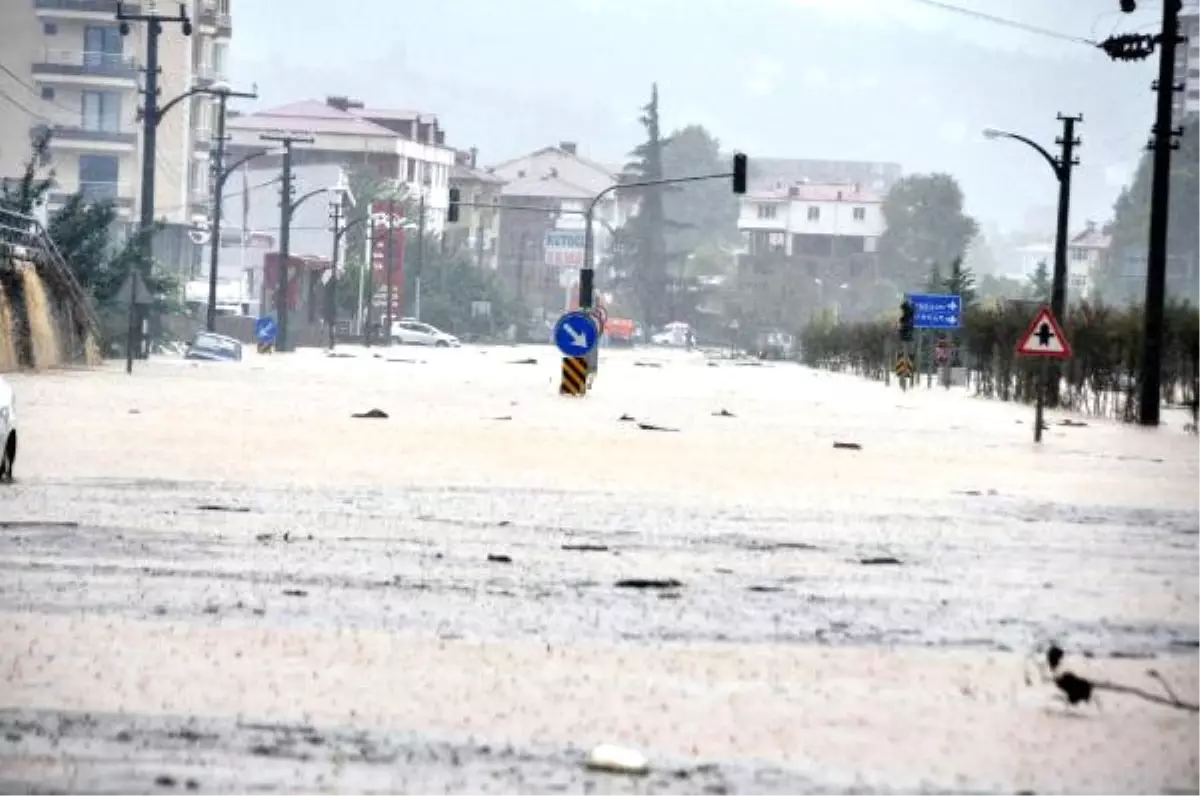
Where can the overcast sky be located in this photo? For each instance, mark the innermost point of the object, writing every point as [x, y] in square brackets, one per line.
[897, 80]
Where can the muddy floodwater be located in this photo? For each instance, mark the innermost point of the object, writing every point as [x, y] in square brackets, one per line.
[214, 579]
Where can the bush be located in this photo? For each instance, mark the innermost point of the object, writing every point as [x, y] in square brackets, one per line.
[1101, 378]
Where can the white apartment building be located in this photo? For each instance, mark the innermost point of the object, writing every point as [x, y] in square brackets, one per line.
[811, 221]
[407, 147]
[1187, 63]
[69, 68]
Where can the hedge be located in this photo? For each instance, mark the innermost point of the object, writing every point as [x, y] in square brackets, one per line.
[1100, 379]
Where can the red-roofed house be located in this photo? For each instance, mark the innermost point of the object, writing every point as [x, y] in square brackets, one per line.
[406, 146]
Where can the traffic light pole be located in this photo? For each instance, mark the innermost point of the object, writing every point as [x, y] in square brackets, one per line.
[587, 274]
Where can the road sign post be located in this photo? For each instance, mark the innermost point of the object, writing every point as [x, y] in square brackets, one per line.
[936, 311]
[265, 332]
[576, 335]
[942, 354]
[1044, 339]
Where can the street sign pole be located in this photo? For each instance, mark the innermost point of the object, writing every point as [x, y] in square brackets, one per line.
[1045, 340]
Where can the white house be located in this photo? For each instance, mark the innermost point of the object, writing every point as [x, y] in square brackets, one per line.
[812, 220]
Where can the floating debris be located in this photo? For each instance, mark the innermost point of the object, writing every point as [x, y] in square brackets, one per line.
[649, 583]
[652, 427]
[880, 561]
[617, 760]
[373, 413]
[847, 446]
[499, 558]
[724, 413]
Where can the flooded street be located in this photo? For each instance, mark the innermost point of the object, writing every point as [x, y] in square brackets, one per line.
[213, 578]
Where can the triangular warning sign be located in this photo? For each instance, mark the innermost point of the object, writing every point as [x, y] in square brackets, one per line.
[140, 294]
[1044, 338]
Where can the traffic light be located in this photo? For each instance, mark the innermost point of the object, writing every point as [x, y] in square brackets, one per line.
[906, 321]
[739, 173]
[452, 209]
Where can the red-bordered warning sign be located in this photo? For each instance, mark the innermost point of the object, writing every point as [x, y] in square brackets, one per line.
[1044, 338]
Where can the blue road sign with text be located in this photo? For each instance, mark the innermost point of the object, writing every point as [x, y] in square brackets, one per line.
[936, 311]
[576, 333]
[265, 330]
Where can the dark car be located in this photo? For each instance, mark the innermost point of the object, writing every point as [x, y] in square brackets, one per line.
[214, 348]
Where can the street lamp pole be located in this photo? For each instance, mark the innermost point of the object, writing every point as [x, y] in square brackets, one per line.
[286, 208]
[1062, 167]
[150, 118]
[215, 225]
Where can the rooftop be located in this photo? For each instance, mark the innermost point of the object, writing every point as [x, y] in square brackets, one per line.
[806, 192]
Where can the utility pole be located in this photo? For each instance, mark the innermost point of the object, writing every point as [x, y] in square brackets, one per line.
[1066, 162]
[391, 231]
[285, 232]
[335, 211]
[150, 117]
[218, 166]
[1138, 47]
[420, 255]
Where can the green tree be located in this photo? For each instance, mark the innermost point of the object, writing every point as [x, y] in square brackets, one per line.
[960, 281]
[645, 233]
[933, 282]
[1130, 227]
[84, 233]
[1040, 285]
[925, 223]
[450, 284]
[704, 213]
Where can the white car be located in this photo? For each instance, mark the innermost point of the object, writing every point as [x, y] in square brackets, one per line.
[410, 332]
[8, 430]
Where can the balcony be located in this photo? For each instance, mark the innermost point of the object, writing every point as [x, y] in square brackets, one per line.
[119, 193]
[88, 137]
[212, 20]
[87, 68]
[84, 10]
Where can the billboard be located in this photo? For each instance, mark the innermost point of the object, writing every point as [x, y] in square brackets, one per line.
[564, 248]
[381, 214]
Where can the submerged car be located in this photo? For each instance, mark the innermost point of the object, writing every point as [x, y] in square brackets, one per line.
[8, 431]
[211, 347]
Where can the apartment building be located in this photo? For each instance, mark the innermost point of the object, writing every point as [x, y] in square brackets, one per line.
[563, 182]
[768, 174]
[1187, 63]
[478, 226]
[814, 221]
[69, 68]
[406, 147]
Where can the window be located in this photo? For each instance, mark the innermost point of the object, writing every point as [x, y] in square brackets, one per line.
[411, 170]
[98, 176]
[814, 214]
[102, 111]
[766, 212]
[102, 46]
[48, 93]
[860, 214]
[1079, 255]
[219, 58]
[50, 28]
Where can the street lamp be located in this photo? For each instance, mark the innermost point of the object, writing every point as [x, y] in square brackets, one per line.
[1062, 172]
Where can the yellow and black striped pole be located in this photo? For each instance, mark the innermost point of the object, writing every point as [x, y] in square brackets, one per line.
[574, 376]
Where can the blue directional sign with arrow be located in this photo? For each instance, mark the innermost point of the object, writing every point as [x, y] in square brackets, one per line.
[576, 334]
[266, 330]
[936, 311]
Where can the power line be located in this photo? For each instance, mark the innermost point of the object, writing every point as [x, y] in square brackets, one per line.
[1004, 21]
[4, 94]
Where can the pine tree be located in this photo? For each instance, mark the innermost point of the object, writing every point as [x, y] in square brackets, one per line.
[646, 229]
[960, 282]
[934, 282]
[1039, 283]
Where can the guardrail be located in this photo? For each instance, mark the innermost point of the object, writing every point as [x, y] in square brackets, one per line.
[23, 236]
